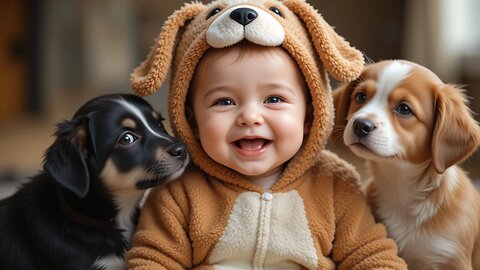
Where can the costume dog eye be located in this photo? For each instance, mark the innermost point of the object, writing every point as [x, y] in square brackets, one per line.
[403, 109]
[277, 11]
[360, 98]
[127, 138]
[214, 12]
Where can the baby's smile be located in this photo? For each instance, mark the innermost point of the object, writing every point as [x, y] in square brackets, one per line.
[252, 146]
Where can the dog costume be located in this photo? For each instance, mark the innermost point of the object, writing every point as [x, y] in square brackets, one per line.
[314, 216]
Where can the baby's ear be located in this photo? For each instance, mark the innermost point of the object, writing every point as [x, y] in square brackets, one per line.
[151, 73]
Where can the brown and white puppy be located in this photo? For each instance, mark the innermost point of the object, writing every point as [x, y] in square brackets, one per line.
[413, 130]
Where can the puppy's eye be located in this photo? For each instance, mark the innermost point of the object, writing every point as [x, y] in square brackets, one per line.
[403, 109]
[360, 98]
[214, 12]
[277, 11]
[127, 138]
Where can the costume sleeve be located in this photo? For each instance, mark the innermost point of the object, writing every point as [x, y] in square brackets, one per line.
[161, 240]
[359, 242]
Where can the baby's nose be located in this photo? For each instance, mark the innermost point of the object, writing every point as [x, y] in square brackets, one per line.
[250, 118]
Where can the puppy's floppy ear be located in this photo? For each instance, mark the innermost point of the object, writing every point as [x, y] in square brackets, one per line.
[341, 60]
[457, 134]
[149, 76]
[65, 159]
[341, 102]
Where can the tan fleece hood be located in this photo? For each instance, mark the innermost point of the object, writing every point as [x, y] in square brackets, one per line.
[292, 24]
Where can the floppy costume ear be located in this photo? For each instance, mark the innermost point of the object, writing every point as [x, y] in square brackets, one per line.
[65, 159]
[456, 135]
[151, 73]
[341, 60]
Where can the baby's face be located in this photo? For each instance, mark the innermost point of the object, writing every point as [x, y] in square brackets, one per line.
[250, 111]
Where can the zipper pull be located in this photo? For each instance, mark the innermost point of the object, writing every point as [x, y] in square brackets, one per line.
[267, 195]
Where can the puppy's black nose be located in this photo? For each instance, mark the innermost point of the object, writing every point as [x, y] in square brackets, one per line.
[178, 150]
[244, 16]
[361, 127]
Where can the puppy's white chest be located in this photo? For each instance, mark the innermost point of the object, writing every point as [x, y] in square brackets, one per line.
[420, 247]
[423, 251]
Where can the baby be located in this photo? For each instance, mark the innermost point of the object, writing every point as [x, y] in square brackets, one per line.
[262, 193]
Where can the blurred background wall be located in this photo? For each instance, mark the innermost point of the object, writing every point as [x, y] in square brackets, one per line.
[57, 54]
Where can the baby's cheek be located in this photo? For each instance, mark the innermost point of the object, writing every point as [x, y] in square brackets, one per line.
[289, 130]
[212, 135]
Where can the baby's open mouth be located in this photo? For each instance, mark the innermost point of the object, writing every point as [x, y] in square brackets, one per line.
[251, 144]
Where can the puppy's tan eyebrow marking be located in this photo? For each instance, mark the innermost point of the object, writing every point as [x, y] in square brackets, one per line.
[129, 123]
[141, 117]
[155, 115]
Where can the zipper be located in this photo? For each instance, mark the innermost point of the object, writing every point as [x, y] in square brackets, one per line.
[263, 230]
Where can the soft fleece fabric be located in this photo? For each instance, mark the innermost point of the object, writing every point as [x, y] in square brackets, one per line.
[319, 221]
[313, 217]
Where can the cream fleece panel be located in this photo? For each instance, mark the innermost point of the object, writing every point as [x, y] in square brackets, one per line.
[266, 231]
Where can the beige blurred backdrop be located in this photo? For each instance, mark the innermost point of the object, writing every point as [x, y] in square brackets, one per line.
[57, 54]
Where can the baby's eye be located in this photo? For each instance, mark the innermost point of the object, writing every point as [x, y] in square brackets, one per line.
[223, 102]
[274, 99]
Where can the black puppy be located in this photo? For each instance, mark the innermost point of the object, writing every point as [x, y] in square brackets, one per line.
[81, 210]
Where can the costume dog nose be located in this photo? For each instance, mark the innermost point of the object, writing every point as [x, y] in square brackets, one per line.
[178, 150]
[361, 127]
[244, 16]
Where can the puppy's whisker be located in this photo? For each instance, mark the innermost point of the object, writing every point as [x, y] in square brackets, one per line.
[400, 153]
[156, 174]
[152, 169]
[368, 60]
[338, 135]
[159, 178]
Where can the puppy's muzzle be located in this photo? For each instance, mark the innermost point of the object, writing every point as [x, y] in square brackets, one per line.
[362, 127]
